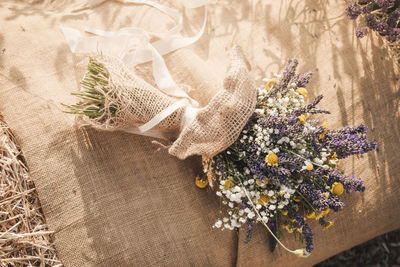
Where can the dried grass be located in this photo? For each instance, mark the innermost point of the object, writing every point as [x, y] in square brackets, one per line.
[24, 238]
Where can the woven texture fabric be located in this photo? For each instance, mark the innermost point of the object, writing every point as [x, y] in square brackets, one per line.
[113, 199]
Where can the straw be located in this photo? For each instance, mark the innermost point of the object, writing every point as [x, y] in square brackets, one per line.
[24, 237]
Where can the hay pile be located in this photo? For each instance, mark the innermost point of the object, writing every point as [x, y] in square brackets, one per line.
[24, 238]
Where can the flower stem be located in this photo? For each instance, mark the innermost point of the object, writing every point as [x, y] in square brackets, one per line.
[299, 252]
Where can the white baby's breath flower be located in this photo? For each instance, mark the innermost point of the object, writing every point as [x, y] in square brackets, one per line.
[218, 224]
[251, 215]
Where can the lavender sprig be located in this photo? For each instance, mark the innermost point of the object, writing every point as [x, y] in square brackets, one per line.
[381, 16]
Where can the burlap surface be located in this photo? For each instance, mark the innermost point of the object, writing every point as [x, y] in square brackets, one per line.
[113, 200]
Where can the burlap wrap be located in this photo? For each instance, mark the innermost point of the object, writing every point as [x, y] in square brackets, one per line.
[219, 124]
[113, 200]
[136, 100]
[214, 127]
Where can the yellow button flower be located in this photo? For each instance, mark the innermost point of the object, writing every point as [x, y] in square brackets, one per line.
[333, 157]
[325, 126]
[310, 167]
[302, 91]
[271, 83]
[320, 215]
[229, 183]
[271, 159]
[263, 199]
[259, 182]
[302, 118]
[284, 212]
[296, 199]
[325, 212]
[337, 188]
[329, 224]
[201, 183]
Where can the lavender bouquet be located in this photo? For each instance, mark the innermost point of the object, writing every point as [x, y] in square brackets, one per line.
[283, 169]
[382, 16]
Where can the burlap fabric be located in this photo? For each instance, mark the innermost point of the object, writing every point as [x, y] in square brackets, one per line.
[113, 200]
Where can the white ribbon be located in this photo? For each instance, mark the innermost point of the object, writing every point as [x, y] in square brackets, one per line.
[133, 46]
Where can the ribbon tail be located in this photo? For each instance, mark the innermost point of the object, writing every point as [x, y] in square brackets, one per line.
[163, 115]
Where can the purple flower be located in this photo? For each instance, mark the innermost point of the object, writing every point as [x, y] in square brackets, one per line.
[288, 75]
[381, 16]
[306, 230]
[249, 231]
[348, 141]
[361, 32]
[353, 11]
[314, 196]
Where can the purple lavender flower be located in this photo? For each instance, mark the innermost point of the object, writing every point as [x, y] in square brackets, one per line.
[335, 203]
[302, 79]
[348, 141]
[288, 75]
[381, 16]
[353, 11]
[249, 231]
[361, 32]
[306, 230]
[313, 196]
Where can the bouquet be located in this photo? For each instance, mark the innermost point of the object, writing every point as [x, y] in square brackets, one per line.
[112, 97]
[271, 161]
[283, 168]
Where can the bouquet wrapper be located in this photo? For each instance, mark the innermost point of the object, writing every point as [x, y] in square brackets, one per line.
[193, 130]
